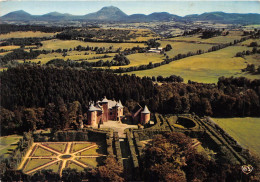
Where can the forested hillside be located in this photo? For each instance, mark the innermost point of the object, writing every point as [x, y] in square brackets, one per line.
[37, 86]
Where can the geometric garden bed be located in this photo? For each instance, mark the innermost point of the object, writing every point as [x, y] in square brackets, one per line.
[60, 155]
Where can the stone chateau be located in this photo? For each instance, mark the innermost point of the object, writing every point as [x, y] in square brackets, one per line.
[105, 110]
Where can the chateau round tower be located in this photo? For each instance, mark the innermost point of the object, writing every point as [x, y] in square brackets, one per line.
[92, 120]
[105, 109]
[145, 116]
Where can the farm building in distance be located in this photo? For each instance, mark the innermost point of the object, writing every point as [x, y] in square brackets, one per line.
[156, 50]
[105, 110]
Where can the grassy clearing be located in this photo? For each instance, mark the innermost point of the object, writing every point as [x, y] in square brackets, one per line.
[244, 130]
[183, 47]
[79, 146]
[21, 34]
[72, 165]
[233, 35]
[206, 68]
[57, 146]
[67, 44]
[8, 143]
[42, 152]
[33, 163]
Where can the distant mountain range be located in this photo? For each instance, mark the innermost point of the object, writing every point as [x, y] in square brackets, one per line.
[111, 13]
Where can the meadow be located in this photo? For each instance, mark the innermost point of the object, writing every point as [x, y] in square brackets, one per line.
[233, 35]
[206, 68]
[244, 130]
[67, 44]
[183, 47]
[22, 34]
[72, 55]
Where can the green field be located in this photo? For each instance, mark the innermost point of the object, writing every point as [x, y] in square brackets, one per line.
[206, 67]
[8, 143]
[67, 44]
[73, 55]
[244, 130]
[183, 47]
[22, 34]
[11, 47]
[233, 35]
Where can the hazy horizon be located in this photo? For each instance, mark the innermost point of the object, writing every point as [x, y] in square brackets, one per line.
[180, 8]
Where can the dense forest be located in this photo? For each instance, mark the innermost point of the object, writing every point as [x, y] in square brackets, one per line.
[98, 35]
[7, 28]
[33, 96]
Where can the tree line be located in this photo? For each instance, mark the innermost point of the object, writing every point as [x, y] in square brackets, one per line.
[20, 54]
[7, 28]
[24, 41]
[98, 35]
[118, 60]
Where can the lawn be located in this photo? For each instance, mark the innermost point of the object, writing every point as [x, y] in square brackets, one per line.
[21, 34]
[97, 150]
[8, 143]
[94, 162]
[79, 146]
[67, 44]
[42, 152]
[33, 163]
[72, 165]
[54, 167]
[206, 68]
[57, 146]
[244, 130]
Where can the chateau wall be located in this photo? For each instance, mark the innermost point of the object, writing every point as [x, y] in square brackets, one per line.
[92, 118]
[105, 112]
[145, 118]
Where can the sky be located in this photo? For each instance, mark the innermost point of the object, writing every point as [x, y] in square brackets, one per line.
[180, 8]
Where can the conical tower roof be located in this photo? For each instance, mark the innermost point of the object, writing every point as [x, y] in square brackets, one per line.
[120, 104]
[92, 107]
[105, 100]
[146, 110]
